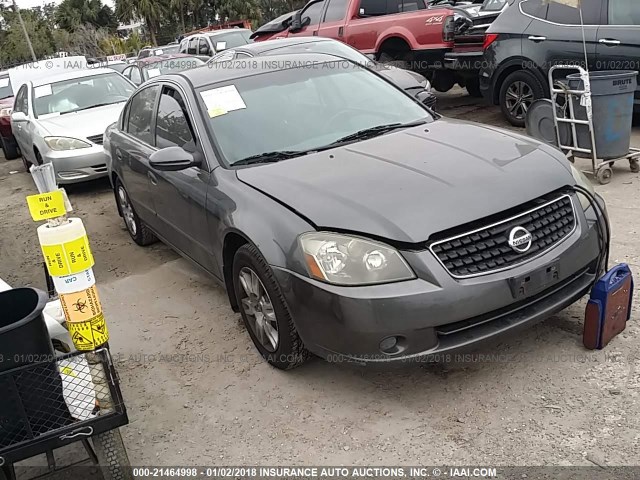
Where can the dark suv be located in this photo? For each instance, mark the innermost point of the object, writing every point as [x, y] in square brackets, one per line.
[532, 35]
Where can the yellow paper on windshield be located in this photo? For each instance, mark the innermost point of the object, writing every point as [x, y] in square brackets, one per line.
[220, 101]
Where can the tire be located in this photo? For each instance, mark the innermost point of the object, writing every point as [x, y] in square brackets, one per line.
[10, 149]
[473, 88]
[517, 93]
[289, 351]
[398, 60]
[138, 230]
[112, 456]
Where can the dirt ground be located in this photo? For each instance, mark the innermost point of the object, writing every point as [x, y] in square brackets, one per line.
[544, 400]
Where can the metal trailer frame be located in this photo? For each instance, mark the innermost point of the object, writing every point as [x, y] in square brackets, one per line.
[600, 169]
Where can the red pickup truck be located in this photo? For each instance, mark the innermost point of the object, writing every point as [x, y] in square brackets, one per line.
[7, 141]
[406, 32]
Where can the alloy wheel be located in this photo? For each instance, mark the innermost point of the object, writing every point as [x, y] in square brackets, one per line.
[258, 308]
[127, 211]
[519, 97]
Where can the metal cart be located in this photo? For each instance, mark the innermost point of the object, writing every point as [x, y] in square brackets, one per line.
[561, 97]
[57, 401]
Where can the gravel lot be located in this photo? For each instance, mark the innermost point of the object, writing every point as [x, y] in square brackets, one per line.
[544, 400]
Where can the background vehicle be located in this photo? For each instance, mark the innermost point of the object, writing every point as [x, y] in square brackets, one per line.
[7, 140]
[532, 35]
[61, 119]
[150, 67]
[252, 172]
[465, 59]
[412, 82]
[208, 44]
[406, 33]
[13, 79]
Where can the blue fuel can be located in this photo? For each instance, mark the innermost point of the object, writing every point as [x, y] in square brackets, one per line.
[609, 307]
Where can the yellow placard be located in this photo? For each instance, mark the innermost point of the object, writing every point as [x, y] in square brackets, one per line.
[216, 112]
[46, 205]
[82, 306]
[89, 335]
[68, 258]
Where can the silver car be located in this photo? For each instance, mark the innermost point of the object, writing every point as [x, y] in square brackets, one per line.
[61, 119]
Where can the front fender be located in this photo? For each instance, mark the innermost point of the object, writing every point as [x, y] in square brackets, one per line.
[237, 208]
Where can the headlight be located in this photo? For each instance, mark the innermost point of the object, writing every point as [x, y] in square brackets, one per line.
[65, 143]
[6, 112]
[346, 260]
[584, 182]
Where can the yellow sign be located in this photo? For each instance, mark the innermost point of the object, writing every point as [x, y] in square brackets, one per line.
[68, 258]
[89, 335]
[81, 306]
[46, 205]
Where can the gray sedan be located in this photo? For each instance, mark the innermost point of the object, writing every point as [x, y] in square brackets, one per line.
[342, 217]
[61, 119]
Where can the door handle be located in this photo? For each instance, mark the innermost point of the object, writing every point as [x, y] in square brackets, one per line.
[118, 154]
[315, 33]
[152, 178]
[609, 41]
[536, 38]
[340, 31]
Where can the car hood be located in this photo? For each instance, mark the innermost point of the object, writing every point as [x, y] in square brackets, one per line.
[404, 79]
[84, 123]
[406, 186]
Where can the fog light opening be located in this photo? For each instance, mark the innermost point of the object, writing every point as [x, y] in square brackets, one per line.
[392, 345]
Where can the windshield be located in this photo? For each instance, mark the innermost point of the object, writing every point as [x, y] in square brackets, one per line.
[69, 96]
[166, 49]
[171, 65]
[303, 108]
[5, 88]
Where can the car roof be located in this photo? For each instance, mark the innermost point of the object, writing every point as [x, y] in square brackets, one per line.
[160, 58]
[258, 48]
[224, 30]
[70, 75]
[206, 75]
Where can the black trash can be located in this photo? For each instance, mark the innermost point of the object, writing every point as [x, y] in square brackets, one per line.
[612, 95]
[24, 337]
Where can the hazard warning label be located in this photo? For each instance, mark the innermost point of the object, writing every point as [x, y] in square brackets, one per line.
[89, 335]
[81, 306]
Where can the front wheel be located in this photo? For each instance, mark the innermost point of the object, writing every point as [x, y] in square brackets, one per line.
[519, 90]
[264, 310]
[138, 230]
[112, 456]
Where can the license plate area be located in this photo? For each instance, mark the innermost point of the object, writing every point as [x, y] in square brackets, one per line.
[535, 282]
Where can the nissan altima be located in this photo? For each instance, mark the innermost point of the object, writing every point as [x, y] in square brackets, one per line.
[344, 218]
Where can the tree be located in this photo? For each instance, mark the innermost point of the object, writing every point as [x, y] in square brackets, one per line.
[14, 47]
[152, 11]
[72, 13]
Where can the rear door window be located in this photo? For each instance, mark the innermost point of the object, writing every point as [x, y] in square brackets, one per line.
[535, 8]
[559, 13]
[624, 12]
[336, 10]
[141, 114]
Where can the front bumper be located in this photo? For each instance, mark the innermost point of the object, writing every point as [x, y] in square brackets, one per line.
[435, 313]
[74, 166]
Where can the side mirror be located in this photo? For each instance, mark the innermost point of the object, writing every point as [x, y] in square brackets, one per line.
[172, 159]
[296, 22]
[18, 117]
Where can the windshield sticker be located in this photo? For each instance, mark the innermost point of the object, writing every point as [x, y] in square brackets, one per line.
[4, 82]
[159, 52]
[42, 91]
[221, 45]
[220, 101]
[154, 72]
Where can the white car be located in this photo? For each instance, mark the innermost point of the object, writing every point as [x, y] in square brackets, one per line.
[61, 118]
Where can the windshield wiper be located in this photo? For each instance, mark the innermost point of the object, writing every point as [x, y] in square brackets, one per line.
[269, 157]
[92, 106]
[375, 131]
